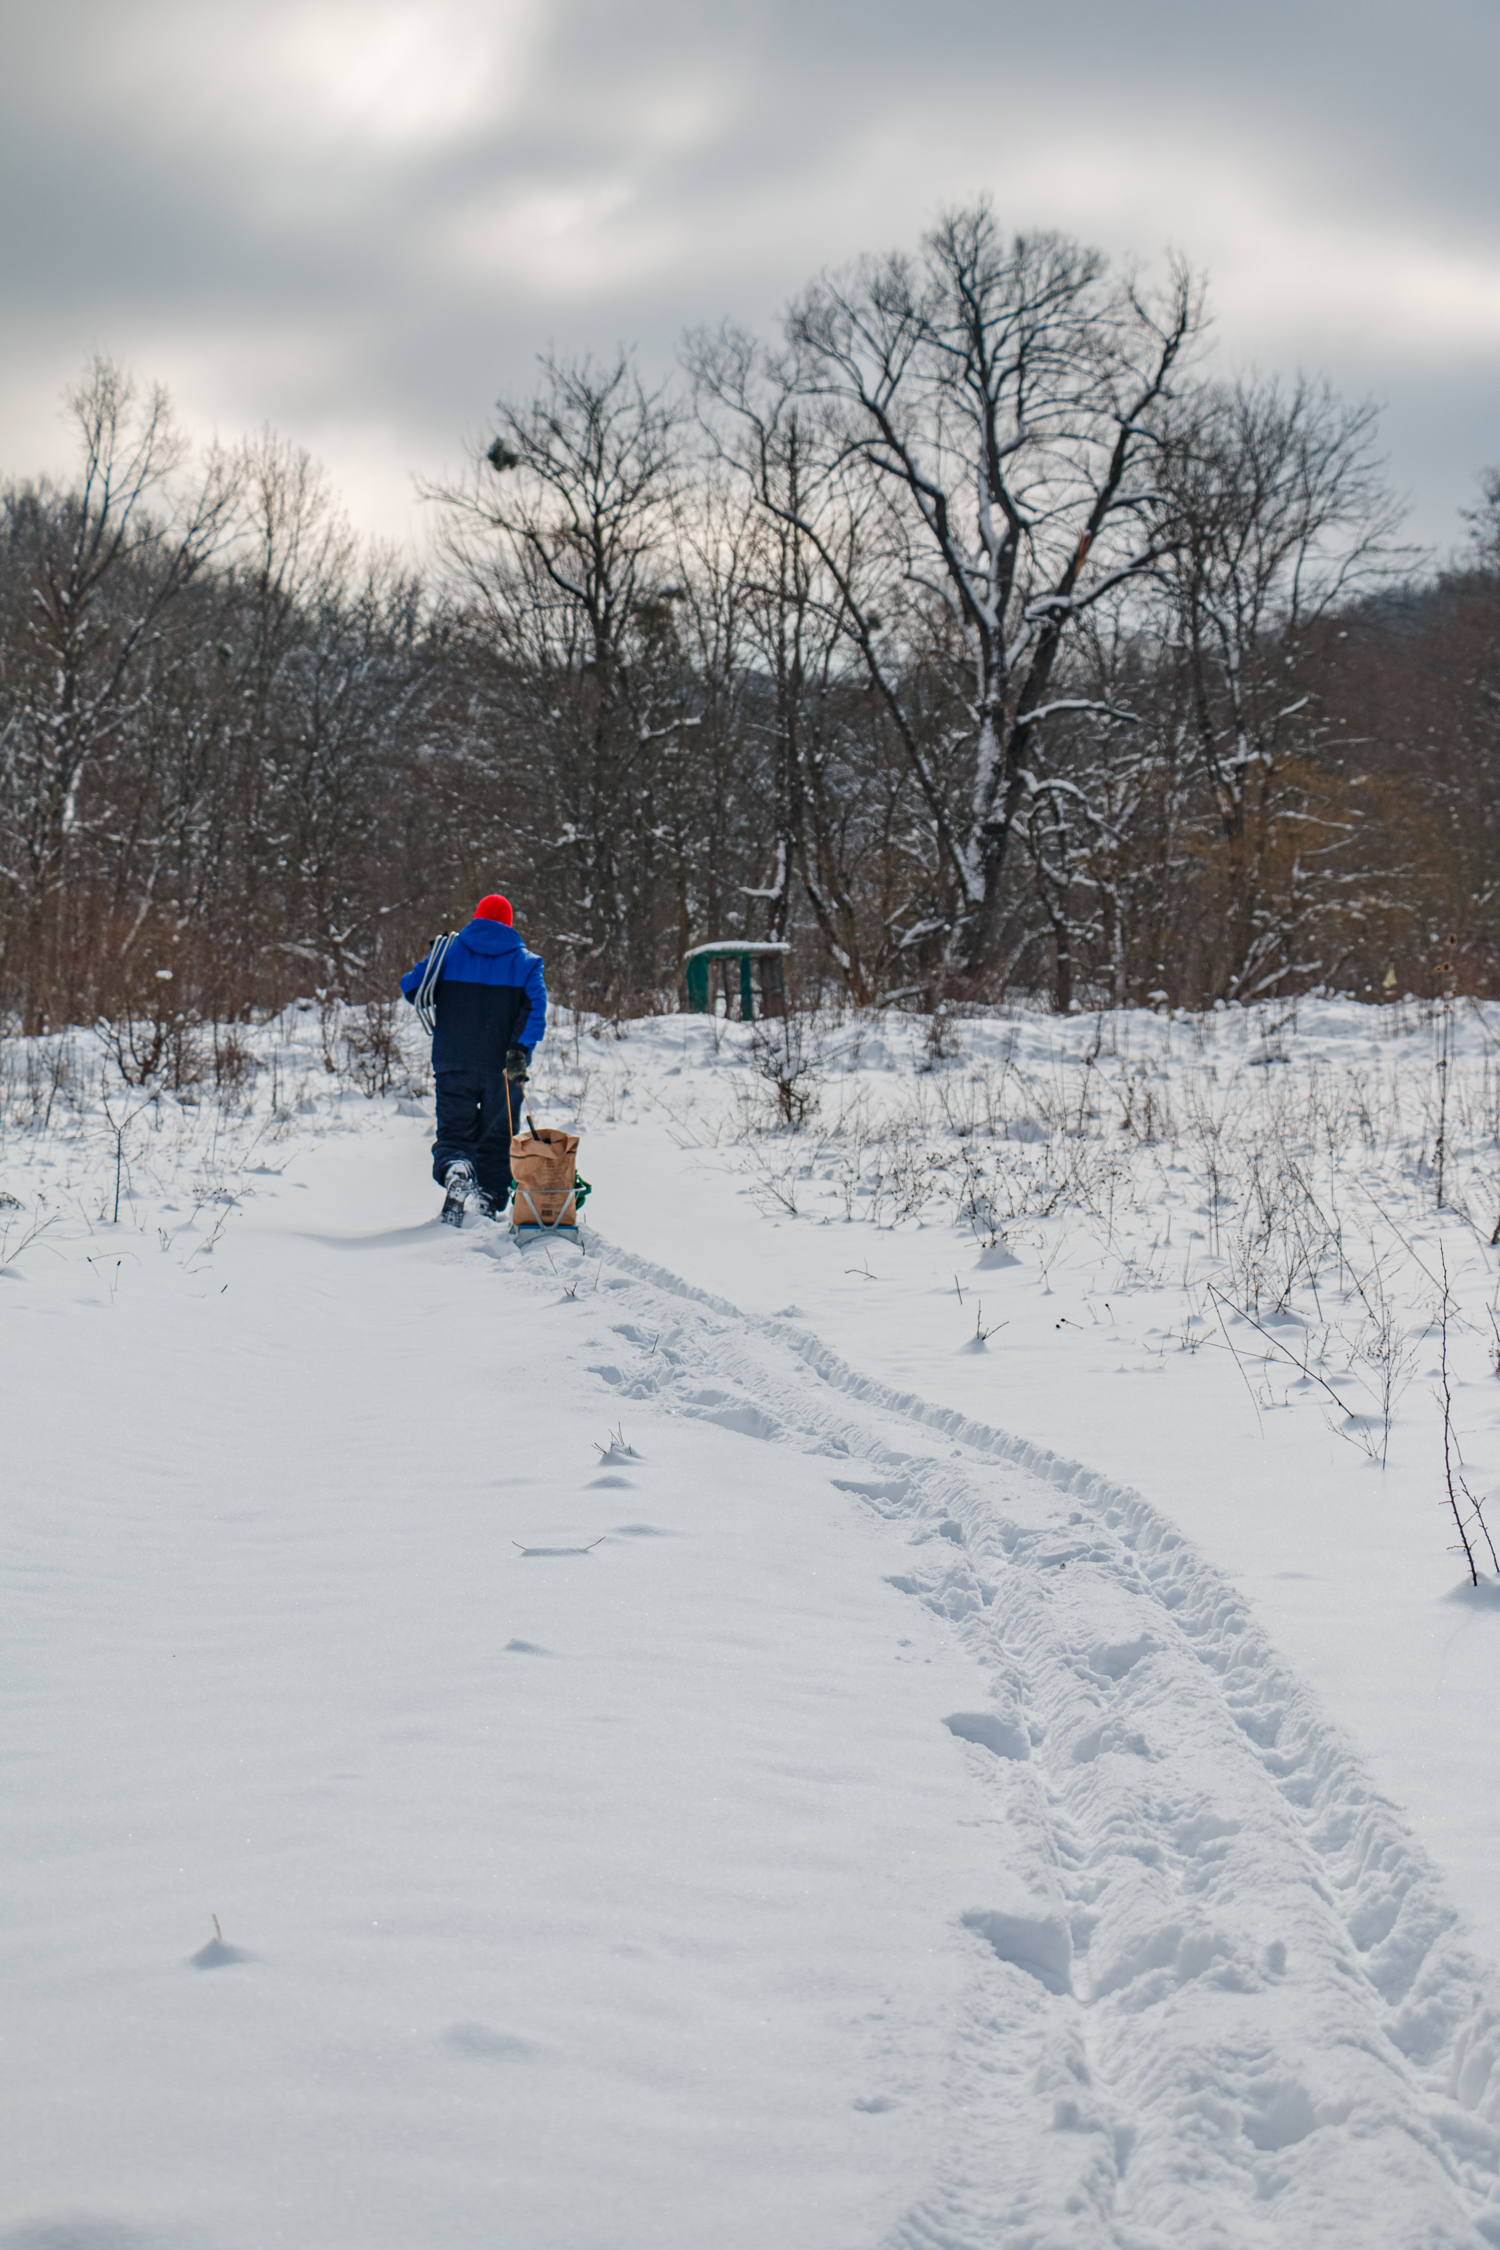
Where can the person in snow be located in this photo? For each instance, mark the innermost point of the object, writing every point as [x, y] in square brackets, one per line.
[491, 1011]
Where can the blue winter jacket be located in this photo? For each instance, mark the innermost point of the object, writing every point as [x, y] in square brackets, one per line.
[490, 997]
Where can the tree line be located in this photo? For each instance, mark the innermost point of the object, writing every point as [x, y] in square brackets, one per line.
[972, 635]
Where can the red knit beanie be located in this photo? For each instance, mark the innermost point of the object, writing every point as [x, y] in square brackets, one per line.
[493, 909]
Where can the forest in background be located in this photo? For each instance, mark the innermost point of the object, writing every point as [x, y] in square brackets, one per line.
[972, 635]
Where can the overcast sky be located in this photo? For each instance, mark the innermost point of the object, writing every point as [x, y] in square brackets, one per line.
[359, 220]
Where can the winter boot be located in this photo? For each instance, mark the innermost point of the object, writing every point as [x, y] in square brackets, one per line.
[461, 1186]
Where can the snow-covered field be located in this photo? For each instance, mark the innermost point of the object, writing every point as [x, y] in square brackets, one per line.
[678, 1749]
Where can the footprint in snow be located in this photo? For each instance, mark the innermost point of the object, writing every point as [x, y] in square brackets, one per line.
[889, 1488]
[1004, 1737]
[526, 1648]
[75, 2231]
[1112, 1663]
[480, 2040]
[1038, 1944]
[1283, 2116]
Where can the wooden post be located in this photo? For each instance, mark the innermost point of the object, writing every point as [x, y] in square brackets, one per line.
[697, 984]
[772, 985]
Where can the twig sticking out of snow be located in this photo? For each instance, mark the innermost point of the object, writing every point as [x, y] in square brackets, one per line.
[216, 1954]
[1239, 1363]
[1459, 1495]
[588, 1550]
[617, 1449]
[1358, 1435]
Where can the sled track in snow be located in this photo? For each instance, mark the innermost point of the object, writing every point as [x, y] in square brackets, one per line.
[1219, 1997]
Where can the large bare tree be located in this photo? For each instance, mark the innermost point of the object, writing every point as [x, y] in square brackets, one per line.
[1005, 396]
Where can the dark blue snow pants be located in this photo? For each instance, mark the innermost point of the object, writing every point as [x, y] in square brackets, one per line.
[476, 1119]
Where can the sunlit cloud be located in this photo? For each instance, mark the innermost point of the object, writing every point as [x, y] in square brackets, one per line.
[563, 244]
[389, 74]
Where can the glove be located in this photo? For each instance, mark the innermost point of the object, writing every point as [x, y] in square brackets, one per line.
[517, 1065]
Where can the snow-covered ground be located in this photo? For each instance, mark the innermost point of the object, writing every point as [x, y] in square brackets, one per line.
[677, 1748]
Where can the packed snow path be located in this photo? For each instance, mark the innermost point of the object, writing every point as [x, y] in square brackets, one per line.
[1226, 2003]
[886, 1835]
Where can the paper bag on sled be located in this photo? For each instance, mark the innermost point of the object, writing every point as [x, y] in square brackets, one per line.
[543, 1166]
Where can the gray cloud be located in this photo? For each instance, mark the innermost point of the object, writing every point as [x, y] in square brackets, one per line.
[361, 221]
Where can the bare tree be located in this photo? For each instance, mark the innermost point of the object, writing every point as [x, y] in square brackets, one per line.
[204, 789]
[562, 535]
[1280, 516]
[833, 806]
[106, 564]
[1483, 521]
[1006, 398]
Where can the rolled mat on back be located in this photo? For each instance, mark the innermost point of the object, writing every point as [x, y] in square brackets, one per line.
[545, 1175]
